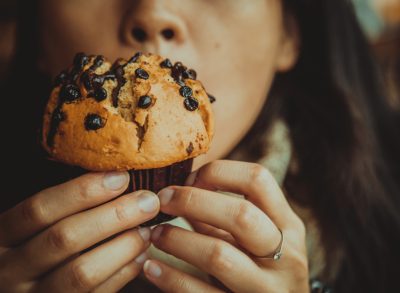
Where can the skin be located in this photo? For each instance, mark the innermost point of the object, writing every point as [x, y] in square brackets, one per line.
[230, 43]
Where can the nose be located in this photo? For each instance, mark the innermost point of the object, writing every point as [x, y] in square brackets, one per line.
[153, 24]
[141, 34]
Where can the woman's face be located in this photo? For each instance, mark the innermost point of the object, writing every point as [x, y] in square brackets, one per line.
[236, 47]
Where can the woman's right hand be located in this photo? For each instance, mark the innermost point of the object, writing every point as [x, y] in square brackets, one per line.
[46, 241]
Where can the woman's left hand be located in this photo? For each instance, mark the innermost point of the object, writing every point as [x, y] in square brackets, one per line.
[234, 237]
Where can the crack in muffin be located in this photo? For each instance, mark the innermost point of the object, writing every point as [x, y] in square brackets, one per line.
[140, 113]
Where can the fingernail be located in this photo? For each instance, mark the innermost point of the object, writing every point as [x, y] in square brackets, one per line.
[115, 180]
[152, 269]
[155, 234]
[141, 258]
[144, 233]
[191, 178]
[148, 202]
[165, 195]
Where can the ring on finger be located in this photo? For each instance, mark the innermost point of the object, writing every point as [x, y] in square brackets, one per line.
[277, 253]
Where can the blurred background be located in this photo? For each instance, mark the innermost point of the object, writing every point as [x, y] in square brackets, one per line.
[380, 20]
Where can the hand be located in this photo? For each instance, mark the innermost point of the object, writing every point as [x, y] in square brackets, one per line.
[76, 237]
[233, 234]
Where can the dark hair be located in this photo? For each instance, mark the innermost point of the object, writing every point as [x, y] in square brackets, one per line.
[343, 132]
[24, 94]
[346, 143]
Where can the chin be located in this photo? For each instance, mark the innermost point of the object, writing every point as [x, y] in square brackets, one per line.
[212, 155]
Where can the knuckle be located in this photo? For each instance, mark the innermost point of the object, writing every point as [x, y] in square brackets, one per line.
[186, 196]
[62, 238]
[33, 211]
[120, 213]
[81, 279]
[180, 284]
[83, 189]
[246, 217]
[213, 169]
[219, 257]
[259, 175]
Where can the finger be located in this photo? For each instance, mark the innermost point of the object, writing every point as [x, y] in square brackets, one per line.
[250, 226]
[81, 231]
[251, 180]
[171, 280]
[55, 203]
[209, 230]
[117, 281]
[220, 259]
[96, 266]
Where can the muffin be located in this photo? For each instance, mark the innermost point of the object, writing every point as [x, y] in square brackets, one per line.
[145, 115]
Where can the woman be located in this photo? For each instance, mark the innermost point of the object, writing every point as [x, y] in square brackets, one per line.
[295, 85]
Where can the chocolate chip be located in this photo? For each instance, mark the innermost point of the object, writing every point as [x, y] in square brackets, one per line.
[97, 63]
[191, 104]
[119, 71]
[58, 115]
[166, 63]
[141, 73]
[190, 148]
[176, 73]
[186, 91]
[85, 79]
[98, 80]
[94, 122]
[120, 62]
[144, 102]
[100, 94]
[69, 93]
[119, 74]
[211, 98]
[135, 57]
[179, 67]
[189, 74]
[61, 78]
[80, 60]
[74, 74]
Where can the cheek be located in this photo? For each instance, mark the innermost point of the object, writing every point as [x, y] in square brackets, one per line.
[239, 72]
[238, 105]
[70, 26]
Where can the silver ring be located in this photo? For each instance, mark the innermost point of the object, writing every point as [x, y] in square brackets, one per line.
[277, 254]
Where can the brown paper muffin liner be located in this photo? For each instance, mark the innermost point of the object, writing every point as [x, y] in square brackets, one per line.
[156, 179]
